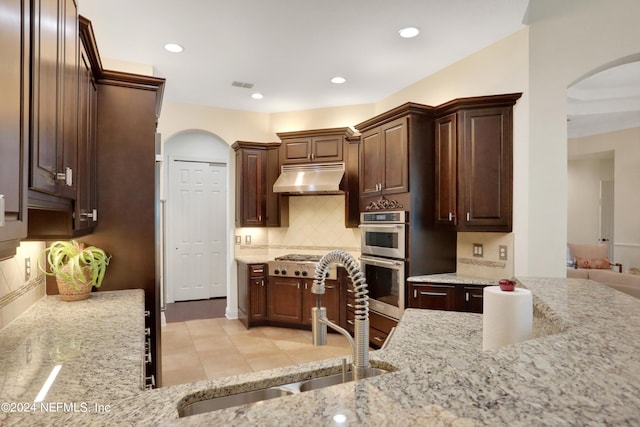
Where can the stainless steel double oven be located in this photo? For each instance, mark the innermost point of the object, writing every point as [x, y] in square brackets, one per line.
[383, 257]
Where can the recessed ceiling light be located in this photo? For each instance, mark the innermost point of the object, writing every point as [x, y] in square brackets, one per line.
[408, 32]
[338, 80]
[257, 96]
[173, 47]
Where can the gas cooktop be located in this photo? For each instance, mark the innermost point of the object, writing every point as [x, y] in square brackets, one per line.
[299, 265]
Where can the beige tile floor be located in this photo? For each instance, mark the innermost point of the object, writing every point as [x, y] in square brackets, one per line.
[204, 349]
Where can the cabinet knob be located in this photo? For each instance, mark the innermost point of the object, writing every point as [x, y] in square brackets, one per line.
[468, 216]
[450, 216]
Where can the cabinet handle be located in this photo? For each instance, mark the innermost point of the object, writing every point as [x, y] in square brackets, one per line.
[450, 216]
[434, 294]
[1, 210]
[258, 270]
[415, 293]
[466, 296]
[66, 176]
[378, 339]
[298, 285]
[351, 322]
[349, 305]
[468, 216]
[329, 287]
[262, 283]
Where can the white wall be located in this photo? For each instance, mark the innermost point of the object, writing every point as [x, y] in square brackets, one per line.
[583, 185]
[568, 40]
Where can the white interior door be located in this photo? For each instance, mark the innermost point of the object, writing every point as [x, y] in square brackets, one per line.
[606, 215]
[196, 230]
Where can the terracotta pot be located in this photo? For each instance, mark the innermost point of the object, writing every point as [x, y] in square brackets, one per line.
[69, 291]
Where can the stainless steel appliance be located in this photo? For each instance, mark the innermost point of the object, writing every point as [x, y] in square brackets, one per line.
[384, 234]
[383, 260]
[298, 265]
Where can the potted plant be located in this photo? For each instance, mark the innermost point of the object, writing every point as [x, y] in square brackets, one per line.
[77, 268]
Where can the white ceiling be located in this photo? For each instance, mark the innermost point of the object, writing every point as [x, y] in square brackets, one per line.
[289, 49]
[604, 102]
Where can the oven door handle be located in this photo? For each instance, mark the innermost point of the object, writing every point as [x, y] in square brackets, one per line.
[391, 226]
[378, 261]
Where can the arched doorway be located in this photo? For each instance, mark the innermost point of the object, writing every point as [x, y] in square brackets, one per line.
[196, 226]
[603, 127]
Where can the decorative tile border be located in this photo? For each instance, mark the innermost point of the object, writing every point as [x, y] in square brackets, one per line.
[490, 264]
[14, 295]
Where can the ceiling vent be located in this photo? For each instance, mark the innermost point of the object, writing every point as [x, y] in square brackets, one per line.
[242, 85]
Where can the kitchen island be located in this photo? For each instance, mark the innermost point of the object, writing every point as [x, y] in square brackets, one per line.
[582, 370]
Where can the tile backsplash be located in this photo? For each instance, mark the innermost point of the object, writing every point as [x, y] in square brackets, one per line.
[316, 223]
[18, 293]
[490, 265]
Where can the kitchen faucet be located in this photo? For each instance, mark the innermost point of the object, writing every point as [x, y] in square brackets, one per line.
[360, 346]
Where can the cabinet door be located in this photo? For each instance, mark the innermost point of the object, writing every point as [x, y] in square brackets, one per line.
[86, 169]
[257, 299]
[446, 170]
[326, 149]
[276, 206]
[250, 195]
[370, 163]
[68, 145]
[44, 108]
[330, 300]
[486, 169]
[14, 126]
[395, 155]
[470, 298]
[284, 297]
[432, 296]
[296, 150]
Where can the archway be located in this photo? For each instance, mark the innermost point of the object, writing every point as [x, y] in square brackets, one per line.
[196, 228]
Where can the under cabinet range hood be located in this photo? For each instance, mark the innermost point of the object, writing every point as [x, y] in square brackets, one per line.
[316, 178]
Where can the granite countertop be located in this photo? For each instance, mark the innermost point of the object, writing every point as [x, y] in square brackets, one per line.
[581, 370]
[99, 343]
[452, 279]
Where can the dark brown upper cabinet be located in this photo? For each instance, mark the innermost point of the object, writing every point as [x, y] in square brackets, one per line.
[256, 171]
[313, 146]
[54, 97]
[14, 125]
[396, 159]
[384, 162]
[474, 163]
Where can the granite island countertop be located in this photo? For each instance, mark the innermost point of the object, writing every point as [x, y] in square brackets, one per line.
[584, 371]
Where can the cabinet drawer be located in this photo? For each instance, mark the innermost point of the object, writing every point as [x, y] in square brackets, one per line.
[377, 337]
[381, 323]
[257, 270]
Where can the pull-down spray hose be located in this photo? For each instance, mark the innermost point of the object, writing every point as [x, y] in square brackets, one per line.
[361, 323]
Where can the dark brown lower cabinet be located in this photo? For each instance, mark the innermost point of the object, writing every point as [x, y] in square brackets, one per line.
[443, 296]
[330, 300]
[284, 300]
[252, 294]
[379, 328]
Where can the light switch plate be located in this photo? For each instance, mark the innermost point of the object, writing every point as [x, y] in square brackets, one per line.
[478, 250]
[502, 252]
[247, 239]
[238, 240]
[27, 268]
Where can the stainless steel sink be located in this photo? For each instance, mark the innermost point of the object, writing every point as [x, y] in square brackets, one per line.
[223, 402]
[322, 382]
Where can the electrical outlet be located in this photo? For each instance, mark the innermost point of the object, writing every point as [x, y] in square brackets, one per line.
[247, 239]
[502, 252]
[27, 268]
[478, 250]
[238, 240]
